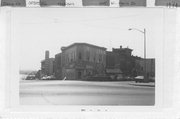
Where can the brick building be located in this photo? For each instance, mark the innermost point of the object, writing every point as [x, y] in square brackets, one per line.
[150, 67]
[57, 66]
[47, 65]
[120, 58]
[81, 60]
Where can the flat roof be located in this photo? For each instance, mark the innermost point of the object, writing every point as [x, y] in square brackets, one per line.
[87, 44]
[47, 59]
[122, 49]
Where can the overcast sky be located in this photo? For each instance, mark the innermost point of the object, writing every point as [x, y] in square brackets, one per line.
[40, 29]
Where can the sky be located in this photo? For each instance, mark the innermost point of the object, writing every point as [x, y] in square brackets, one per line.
[40, 29]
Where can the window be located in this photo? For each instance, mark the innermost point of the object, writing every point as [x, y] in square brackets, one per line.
[80, 56]
[100, 58]
[87, 55]
[94, 59]
[88, 48]
[67, 59]
[72, 57]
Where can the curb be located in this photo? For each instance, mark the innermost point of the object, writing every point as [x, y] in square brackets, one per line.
[146, 85]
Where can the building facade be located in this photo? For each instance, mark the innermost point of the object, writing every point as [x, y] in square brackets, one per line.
[150, 67]
[47, 65]
[122, 59]
[58, 66]
[81, 60]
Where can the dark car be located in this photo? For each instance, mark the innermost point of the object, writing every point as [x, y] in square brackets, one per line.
[128, 78]
[30, 77]
[151, 79]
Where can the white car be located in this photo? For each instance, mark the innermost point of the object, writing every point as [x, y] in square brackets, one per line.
[139, 79]
[44, 78]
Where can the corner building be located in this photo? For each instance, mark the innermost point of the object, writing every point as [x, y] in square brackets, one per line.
[81, 60]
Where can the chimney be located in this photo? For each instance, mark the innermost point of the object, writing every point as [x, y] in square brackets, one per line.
[62, 48]
[47, 54]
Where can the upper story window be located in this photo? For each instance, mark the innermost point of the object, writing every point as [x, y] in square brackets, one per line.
[87, 55]
[67, 58]
[100, 58]
[94, 59]
[88, 48]
[72, 57]
[80, 56]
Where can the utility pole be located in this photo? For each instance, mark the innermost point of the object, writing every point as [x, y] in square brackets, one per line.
[145, 67]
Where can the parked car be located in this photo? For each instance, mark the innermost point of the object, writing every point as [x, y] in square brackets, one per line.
[128, 78]
[151, 79]
[44, 78]
[30, 77]
[119, 77]
[48, 77]
[51, 77]
[139, 79]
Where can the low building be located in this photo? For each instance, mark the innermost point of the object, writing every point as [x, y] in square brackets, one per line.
[47, 65]
[81, 60]
[150, 67]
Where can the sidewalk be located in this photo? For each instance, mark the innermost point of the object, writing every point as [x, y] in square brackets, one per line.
[151, 84]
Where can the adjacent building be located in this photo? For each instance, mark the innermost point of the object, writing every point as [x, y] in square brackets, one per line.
[47, 65]
[150, 67]
[58, 66]
[81, 60]
[120, 60]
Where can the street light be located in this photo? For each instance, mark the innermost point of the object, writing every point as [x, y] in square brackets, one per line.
[144, 32]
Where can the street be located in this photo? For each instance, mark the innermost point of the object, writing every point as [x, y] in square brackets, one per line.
[56, 92]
